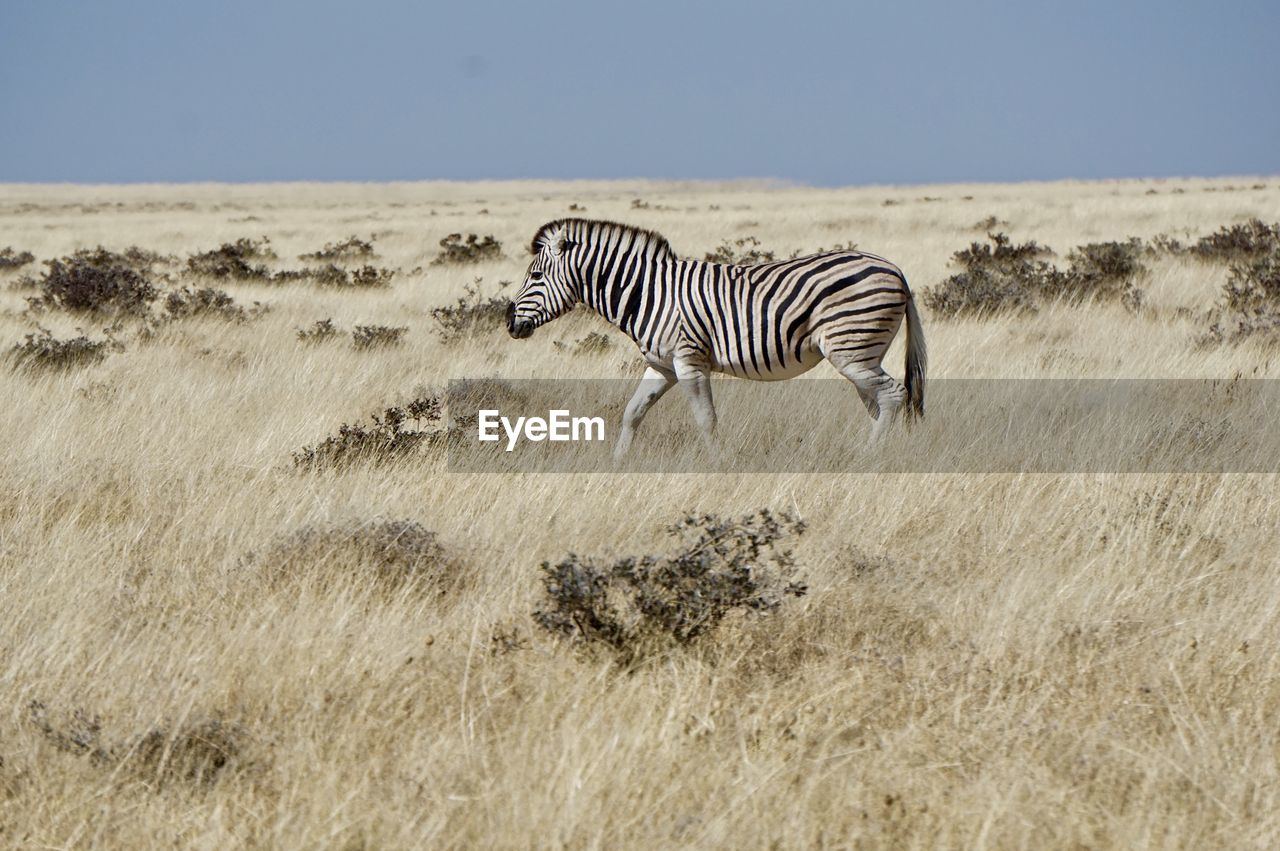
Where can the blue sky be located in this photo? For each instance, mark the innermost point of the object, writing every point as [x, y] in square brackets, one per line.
[815, 92]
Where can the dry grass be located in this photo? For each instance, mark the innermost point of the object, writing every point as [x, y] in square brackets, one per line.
[980, 660]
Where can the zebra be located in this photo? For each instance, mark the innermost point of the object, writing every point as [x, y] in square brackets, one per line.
[688, 317]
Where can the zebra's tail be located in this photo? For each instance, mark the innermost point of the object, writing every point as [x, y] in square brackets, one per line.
[917, 361]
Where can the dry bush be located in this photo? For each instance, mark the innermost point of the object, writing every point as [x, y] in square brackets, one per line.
[41, 350]
[740, 252]
[370, 276]
[455, 250]
[351, 248]
[1250, 240]
[10, 259]
[320, 331]
[1008, 277]
[1250, 307]
[990, 224]
[194, 752]
[333, 275]
[365, 337]
[234, 260]
[593, 344]
[391, 553]
[999, 277]
[471, 313]
[388, 439]
[187, 302]
[638, 604]
[97, 281]
[1103, 271]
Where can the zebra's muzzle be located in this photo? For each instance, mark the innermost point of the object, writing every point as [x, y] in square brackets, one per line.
[518, 328]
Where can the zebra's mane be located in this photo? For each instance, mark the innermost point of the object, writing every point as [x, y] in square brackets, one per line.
[593, 228]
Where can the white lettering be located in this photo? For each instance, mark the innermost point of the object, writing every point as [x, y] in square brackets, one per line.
[487, 426]
[587, 424]
[559, 426]
[559, 423]
[513, 433]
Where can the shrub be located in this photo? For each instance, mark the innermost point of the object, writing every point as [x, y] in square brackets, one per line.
[1250, 240]
[320, 331]
[455, 250]
[42, 350]
[1254, 286]
[350, 248]
[471, 312]
[994, 278]
[593, 343]
[641, 603]
[365, 337]
[740, 252]
[233, 260]
[393, 553]
[10, 259]
[333, 275]
[96, 281]
[1103, 270]
[1251, 303]
[195, 751]
[370, 276]
[205, 301]
[1007, 277]
[387, 439]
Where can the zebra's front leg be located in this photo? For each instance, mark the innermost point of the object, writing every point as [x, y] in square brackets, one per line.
[653, 385]
[697, 385]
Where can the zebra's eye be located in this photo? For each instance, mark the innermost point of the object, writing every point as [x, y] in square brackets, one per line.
[535, 276]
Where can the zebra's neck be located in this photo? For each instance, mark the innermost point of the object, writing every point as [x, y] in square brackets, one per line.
[633, 290]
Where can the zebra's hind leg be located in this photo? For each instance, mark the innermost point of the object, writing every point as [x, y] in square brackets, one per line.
[881, 393]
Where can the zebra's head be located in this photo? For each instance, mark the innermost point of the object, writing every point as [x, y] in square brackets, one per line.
[550, 287]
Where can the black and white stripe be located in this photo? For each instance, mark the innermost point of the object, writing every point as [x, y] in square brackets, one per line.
[690, 317]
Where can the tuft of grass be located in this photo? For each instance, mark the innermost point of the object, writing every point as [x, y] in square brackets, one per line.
[42, 351]
[365, 337]
[740, 252]
[391, 553]
[635, 605]
[351, 248]
[471, 313]
[456, 250]
[194, 752]
[234, 260]
[388, 438]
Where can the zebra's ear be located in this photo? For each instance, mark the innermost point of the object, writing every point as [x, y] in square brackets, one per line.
[555, 241]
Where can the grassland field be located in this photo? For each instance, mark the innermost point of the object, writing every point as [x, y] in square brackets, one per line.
[980, 661]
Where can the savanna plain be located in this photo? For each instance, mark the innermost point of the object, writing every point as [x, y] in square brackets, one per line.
[228, 621]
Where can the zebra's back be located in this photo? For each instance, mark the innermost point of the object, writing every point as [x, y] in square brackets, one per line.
[777, 320]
